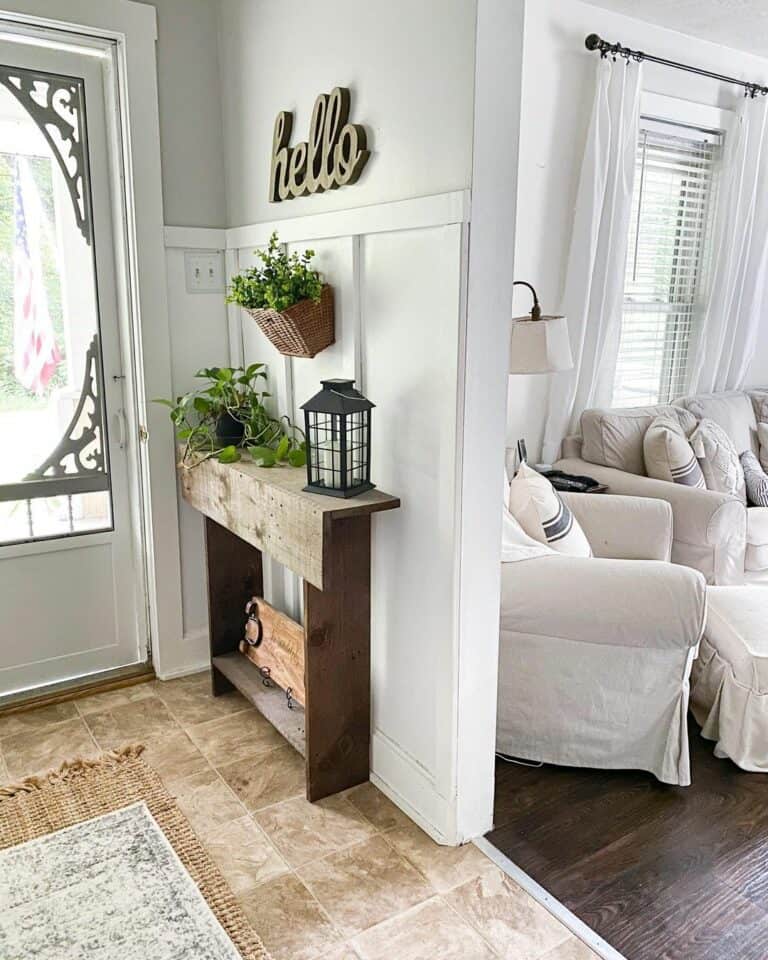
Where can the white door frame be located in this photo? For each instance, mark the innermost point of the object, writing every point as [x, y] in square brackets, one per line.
[132, 27]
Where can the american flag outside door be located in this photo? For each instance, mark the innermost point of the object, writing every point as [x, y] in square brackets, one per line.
[36, 355]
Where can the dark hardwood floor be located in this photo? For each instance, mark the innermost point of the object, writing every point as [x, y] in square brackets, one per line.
[661, 873]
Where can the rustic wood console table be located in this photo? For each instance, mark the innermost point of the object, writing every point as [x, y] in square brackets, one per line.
[327, 541]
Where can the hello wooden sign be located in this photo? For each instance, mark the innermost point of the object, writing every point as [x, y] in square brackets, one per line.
[333, 156]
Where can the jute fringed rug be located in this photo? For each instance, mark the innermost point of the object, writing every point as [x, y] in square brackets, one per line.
[96, 860]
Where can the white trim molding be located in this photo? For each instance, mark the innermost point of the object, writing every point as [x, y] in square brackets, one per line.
[195, 238]
[416, 213]
[132, 28]
[481, 421]
[413, 214]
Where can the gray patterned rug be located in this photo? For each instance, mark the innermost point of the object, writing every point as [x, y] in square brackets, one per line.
[110, 888]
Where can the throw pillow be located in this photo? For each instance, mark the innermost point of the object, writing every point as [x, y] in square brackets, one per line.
[756, 479]
[669, 456]
[719, 460]
[762, 436]
[543, 515]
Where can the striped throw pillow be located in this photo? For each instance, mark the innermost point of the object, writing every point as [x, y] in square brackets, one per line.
[669, 456]
[756, 478]
[543, 515]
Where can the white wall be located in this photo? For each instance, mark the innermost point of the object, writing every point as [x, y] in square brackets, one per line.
[199, 338]
[556, 103]
[189, 91]
[409, 66]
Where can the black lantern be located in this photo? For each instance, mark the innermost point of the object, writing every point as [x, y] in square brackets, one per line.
[338, 426]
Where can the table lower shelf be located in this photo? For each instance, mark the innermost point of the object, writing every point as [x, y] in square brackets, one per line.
[270, 701]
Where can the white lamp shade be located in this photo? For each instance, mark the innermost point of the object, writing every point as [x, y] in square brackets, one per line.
[540, 346]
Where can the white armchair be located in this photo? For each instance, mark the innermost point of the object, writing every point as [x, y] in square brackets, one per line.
[595, 654]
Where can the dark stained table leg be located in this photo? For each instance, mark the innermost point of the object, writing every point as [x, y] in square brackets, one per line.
[338, 662]
[234, 576]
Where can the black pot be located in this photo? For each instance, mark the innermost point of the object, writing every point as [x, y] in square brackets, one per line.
[229, 431]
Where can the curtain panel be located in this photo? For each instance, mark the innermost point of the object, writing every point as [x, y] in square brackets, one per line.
[727, 337]
[594, 286]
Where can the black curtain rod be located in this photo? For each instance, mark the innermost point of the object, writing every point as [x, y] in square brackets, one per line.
[605, 49]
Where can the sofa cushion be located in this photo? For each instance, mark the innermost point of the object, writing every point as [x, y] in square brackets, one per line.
[669, 456]
[732, 410]
[736, 629]
[762, 436]
[614, 438]
[756, 558]
[719, 460]
[756, 480]
[757, 528]
[539, 510]
[759, 400]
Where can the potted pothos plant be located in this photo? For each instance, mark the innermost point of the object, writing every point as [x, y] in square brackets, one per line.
[227, 415]
[287, 298]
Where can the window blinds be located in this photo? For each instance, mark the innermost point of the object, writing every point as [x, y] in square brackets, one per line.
[666, 260]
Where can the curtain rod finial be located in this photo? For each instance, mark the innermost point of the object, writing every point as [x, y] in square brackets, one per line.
[592, 42]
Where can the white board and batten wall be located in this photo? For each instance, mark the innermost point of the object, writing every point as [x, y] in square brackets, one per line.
[396, 270]
[395, 247]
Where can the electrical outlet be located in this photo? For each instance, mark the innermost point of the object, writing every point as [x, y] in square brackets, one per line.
[204, 271]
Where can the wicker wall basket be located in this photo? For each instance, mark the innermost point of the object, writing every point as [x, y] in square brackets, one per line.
[302, 330]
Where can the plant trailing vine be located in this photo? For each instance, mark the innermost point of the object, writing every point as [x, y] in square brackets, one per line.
[279, 282]
[228, 414]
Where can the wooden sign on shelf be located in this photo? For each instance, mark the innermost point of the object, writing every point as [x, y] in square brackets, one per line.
[333, 156]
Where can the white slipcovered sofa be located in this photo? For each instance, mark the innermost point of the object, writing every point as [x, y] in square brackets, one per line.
[713, 532]
[596, 653]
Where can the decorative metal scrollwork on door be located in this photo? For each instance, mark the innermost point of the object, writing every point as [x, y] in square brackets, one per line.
[81, 448]
[57, 106]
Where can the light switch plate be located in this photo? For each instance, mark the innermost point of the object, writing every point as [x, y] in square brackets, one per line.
[204, 271]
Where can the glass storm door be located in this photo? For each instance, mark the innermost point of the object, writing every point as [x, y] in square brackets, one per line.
[71, 600]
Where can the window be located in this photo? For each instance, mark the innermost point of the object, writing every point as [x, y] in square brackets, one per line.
[664, 287]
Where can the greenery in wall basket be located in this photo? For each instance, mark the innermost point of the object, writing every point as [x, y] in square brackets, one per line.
[227, 414]
[279, 282]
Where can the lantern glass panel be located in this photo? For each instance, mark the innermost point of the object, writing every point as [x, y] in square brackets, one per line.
[338, 429]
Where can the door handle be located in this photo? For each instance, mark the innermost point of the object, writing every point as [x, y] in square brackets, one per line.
[120, 425]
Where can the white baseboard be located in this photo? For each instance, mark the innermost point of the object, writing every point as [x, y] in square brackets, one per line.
[195, 660]
[417, 794]
[577, 927]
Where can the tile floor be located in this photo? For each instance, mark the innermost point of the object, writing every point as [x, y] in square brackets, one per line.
[349, 878]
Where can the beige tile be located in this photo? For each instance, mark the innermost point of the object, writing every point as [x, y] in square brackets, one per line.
[235, 737]
[37, 751]
[141, 721]
[262, 781]
[508, 918]
[178, 761]
[304, 831]
[444, 867]
[430, 930]
[289, 920]
[209, 804]
[190, 699]
[5, 777]
[115, 698]
[572, 949]
[365, 884]
[377, 808]
[14, 723]
[343, 952]
[244, 855]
